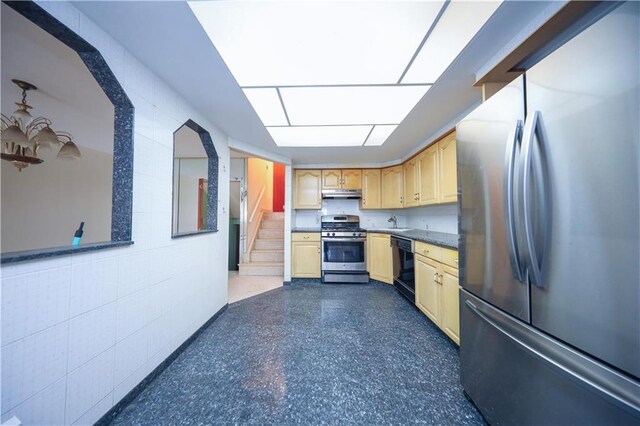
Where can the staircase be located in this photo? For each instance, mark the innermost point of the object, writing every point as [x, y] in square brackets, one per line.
[267, 255]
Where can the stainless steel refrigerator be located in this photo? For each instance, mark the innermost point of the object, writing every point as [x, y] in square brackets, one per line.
[548, 172]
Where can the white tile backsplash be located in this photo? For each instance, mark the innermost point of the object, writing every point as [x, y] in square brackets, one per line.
[368, 218]
[442, 218]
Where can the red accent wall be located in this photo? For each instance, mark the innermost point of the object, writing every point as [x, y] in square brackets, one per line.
[278, 187]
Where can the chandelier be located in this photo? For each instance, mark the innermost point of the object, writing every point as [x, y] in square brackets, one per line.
[23, 136]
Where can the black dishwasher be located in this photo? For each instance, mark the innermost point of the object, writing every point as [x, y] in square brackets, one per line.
[403, 267]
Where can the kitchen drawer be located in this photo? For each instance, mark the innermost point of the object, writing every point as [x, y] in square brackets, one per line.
[305, 236]
[428, 250]
[449, 257]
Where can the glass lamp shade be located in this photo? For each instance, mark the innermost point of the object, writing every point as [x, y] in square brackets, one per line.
[46, 137]
[24, 116]
[69, 152]
[13, 134]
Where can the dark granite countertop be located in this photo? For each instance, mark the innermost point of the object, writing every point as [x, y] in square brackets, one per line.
[303, 229]
[442, 239]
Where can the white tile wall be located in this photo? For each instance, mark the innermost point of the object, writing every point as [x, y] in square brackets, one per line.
[91, 334]
[89, 384]
[131, 354]
[46, 407]
[31, 364]
[79, 332]
[34, 301]
[85, 296]
[132, 314]
[124, 387]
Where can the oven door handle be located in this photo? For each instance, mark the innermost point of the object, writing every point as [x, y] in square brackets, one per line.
[356, 239]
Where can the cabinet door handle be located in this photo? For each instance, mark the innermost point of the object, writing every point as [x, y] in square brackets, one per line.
[306, 237]
[435, 277]
[441, 279]
[318, 250]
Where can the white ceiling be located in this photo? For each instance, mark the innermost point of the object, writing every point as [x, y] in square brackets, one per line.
[186, 59]
[338, 63]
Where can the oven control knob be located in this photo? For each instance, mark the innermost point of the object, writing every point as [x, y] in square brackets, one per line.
[333, 233]
[354, 234]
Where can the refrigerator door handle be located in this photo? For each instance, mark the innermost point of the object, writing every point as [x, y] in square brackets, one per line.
[603, 381]
[509, 166]
[531, 129]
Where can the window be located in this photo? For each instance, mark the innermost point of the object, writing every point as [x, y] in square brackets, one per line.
[44, 204]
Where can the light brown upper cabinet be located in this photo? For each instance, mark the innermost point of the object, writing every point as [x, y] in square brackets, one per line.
[342, 179]
[428, 186]
[371, 193]
[448, 169]
[352, 179]
[392, 187]
[411, 183]
[307, 189]
[331, 179]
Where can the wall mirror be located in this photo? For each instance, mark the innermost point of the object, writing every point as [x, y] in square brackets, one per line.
[193, 181]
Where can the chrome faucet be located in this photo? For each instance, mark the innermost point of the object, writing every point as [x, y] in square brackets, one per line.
[393, 219]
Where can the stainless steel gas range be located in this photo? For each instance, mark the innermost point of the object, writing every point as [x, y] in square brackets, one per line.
[343, 250]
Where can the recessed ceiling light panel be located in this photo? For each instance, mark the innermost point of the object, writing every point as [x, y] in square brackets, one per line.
[267, 104]
[319, 136]
[350, 105]
[379, 135]
[456, 27]
[276, 43]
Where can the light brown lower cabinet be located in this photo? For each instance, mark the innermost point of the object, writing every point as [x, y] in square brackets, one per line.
[305, 255]
[437, 293]
[379, 260]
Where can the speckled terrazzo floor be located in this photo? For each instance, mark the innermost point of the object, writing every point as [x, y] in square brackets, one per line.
[312, 354]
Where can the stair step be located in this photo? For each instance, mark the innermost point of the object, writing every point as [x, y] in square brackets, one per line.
[269, 244]
[262, 268]
[272, 215]
[267, 256]
[270, 233]
[272, 224]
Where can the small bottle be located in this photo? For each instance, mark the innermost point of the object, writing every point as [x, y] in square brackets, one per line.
[78, 235]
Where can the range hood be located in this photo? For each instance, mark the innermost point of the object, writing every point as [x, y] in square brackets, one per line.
[348, 194]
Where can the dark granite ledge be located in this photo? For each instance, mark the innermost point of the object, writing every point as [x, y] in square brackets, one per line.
[23, 256]
[305, 230]
[189, 234]
[442, 239]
